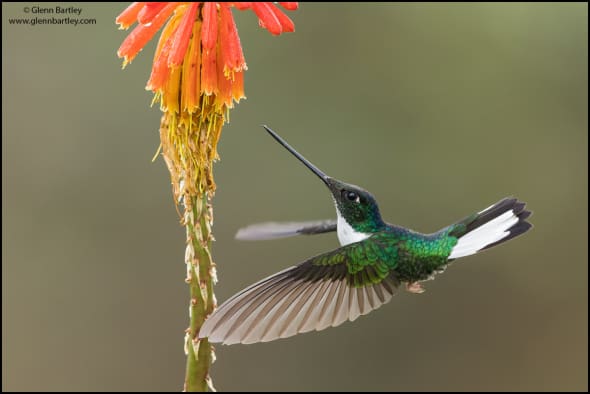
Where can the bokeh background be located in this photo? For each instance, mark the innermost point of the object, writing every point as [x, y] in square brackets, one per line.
[438, 109]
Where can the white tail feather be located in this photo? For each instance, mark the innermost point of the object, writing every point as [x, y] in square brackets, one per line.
[492, 231]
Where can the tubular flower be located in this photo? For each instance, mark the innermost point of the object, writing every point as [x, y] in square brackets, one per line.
[197, 73]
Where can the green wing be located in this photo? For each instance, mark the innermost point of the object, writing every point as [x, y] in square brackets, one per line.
[324, 291]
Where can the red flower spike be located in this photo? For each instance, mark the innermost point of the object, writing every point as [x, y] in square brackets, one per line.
[182, 36]
[149, 12]
[290, 6]
[286, 23]
[199, 52]
[267, 18]
[129, 16]
[209, 29]
[136, 40]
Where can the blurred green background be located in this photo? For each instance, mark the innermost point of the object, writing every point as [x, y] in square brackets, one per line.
[438, 109]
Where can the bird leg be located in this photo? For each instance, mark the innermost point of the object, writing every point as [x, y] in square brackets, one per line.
[415, 288]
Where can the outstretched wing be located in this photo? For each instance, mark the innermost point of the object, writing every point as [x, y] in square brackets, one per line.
[272, 230]
[321, 292]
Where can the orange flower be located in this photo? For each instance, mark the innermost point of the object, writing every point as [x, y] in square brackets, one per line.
[197, 76]
[202, 39]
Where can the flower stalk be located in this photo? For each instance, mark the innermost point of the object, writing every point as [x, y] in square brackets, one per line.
[200, 278]
[197, 76]
[197, 217]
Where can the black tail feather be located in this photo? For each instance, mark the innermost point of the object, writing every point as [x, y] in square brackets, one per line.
[521, 227]
[475, 243]
[479, 219]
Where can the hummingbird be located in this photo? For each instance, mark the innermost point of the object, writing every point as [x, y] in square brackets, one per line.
[374, 260]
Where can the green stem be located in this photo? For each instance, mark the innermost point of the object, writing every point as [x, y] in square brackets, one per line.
[200, 278]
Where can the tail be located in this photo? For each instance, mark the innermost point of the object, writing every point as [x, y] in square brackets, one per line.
[492, 226]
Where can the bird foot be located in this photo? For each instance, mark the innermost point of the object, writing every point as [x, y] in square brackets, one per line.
[415, 288]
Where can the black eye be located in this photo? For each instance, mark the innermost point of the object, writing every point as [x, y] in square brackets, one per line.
[350, 196]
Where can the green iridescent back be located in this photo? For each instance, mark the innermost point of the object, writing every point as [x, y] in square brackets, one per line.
[409, 255]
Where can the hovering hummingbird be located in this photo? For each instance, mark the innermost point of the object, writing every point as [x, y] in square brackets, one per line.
[374, 260]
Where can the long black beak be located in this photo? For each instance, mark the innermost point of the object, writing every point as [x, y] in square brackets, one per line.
[313, 168]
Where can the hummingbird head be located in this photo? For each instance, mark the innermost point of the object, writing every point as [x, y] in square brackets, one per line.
[358, 212]
[356, 206]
